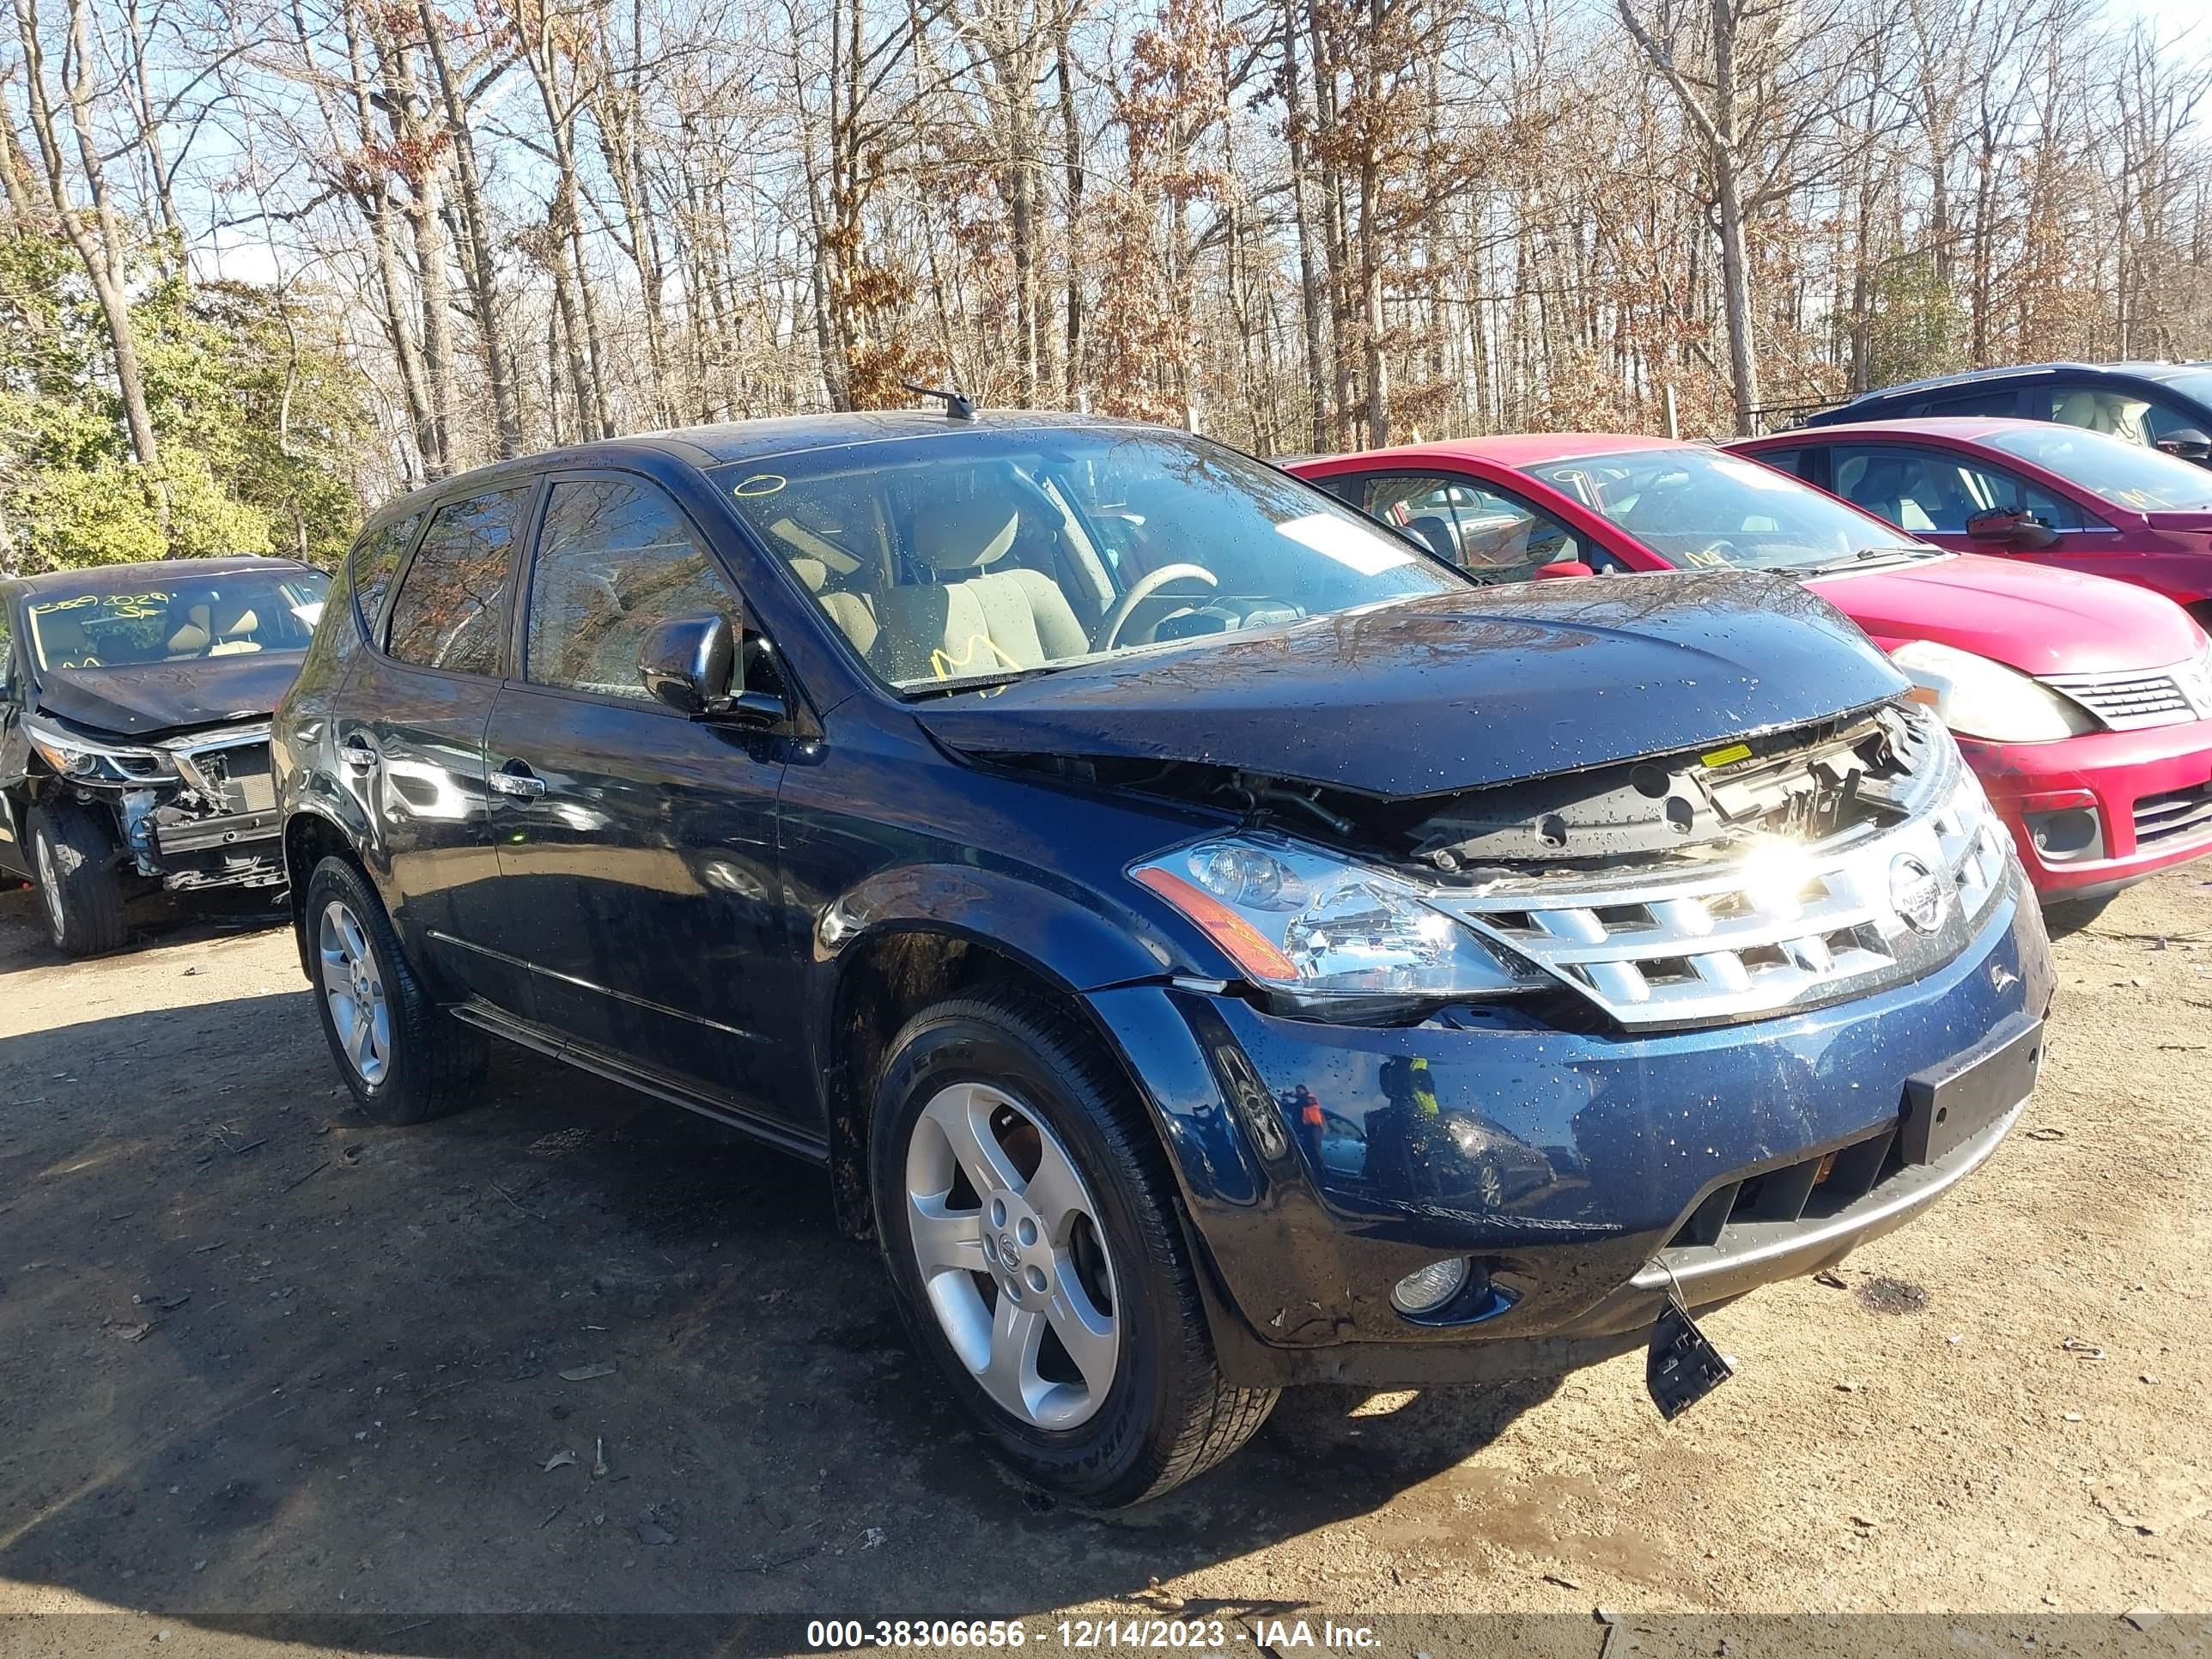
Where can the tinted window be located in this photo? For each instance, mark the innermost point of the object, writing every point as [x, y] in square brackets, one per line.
[451, 611]
[1794, 462]
[373, 558]
[613, 559]
[1998, 400]
[1935, 492]
[1491, 536]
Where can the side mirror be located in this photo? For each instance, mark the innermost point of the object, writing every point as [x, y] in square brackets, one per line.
[2188, 444]
[1561, 569]
[690, 664]
[2006, 528]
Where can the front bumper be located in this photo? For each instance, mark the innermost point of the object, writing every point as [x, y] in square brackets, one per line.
[1594, 1157]
[2148, 793]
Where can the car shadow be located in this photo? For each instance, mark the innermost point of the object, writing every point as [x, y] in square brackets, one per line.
[572, 1351]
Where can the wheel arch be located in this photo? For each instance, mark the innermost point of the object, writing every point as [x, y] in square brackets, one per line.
[310, 837]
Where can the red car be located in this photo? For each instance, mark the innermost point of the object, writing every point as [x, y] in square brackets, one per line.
[2086, 706]
[2024, 489]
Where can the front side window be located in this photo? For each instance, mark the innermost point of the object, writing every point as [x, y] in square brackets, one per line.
[1936, 493]
[2117, 414]
[2147, 480]
[614, 558]
[1491, 536]
[973, 557]
[451, 610]
[1698, 509]
[114, 622]
[374, 557]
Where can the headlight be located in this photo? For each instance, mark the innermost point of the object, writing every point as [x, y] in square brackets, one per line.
[88, 760]
[1978, 698]
[1302, 922]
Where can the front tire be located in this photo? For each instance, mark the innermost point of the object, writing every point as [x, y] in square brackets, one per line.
[405, 1061]
[1029, 1224]
[77, 867]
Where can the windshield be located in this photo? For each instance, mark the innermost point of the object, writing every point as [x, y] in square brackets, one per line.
[2128, 474]
[1695, 508]
[988, 555]
[125, 624]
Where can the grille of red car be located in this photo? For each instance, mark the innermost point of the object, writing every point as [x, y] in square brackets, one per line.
[2130, 700]
[2179, 815]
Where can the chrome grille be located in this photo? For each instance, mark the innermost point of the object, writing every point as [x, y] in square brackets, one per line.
[2131, 700]
[1785, 926]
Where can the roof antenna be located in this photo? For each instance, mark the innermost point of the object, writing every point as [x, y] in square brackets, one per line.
[958, 405]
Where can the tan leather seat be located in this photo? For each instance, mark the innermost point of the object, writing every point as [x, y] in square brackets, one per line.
[192, 637]
[854, 613]
[975, 625]
[235, 624]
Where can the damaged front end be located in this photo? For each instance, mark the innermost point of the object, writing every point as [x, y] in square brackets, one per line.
[191, 813]
[1778, 873]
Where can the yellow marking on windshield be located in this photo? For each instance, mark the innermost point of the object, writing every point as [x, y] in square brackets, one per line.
[761, 484]
[946, 666]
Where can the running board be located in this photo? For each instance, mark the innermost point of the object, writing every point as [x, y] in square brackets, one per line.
[499, 1024]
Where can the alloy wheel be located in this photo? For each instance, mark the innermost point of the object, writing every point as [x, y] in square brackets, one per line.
[354, 989]
[1013, 1255]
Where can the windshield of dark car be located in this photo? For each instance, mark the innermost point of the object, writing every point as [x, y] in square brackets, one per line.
[123, 623]
[1695, 507]
[2129, 474]
[990, 553]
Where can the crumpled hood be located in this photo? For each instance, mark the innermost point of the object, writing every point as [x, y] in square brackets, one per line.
[155, 697]
[1453, 691]
[2028, 616]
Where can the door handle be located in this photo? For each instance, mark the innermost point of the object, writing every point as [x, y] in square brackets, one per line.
[357, 754]
[517, 780]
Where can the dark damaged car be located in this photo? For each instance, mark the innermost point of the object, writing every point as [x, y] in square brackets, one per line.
[134, 731]
[1210, 943]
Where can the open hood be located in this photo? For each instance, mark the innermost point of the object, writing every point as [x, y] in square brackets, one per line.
[2028, 616]
[165, 696]
[1453, 691]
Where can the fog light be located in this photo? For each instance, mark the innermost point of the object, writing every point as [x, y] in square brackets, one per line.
[1425, 1291]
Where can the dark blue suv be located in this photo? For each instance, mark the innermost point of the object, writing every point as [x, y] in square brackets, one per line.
[2165, 406]
[1209, 943]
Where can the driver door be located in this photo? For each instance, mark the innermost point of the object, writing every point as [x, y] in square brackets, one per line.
[638, 864]
[1936, 494]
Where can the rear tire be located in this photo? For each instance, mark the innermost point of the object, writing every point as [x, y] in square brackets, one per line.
[77, 869]
[1000, 1103]
[405, 1059]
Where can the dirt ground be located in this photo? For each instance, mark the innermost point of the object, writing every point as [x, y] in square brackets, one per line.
[575, 1350]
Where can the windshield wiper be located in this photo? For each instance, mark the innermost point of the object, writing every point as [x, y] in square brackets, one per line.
[976, 682]
[1878, 556]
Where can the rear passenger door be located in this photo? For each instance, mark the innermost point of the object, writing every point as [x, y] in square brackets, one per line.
[637, 846]
[409, 739]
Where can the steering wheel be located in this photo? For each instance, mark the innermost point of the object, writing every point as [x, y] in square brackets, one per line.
[1108, 631]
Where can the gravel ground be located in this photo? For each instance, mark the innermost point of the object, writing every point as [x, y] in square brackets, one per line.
[577, 1351]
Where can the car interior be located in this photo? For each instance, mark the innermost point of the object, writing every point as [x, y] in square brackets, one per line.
[935, 573]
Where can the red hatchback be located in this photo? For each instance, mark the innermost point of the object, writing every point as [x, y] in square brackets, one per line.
[2021, 490]
[2086, 707]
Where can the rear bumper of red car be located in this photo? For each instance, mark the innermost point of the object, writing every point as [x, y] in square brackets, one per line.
[2093, 814]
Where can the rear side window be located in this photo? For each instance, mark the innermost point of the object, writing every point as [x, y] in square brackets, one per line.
[373, 559]
[1492, 537]
[1999, 400]
[614, 558]
[450, 611]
